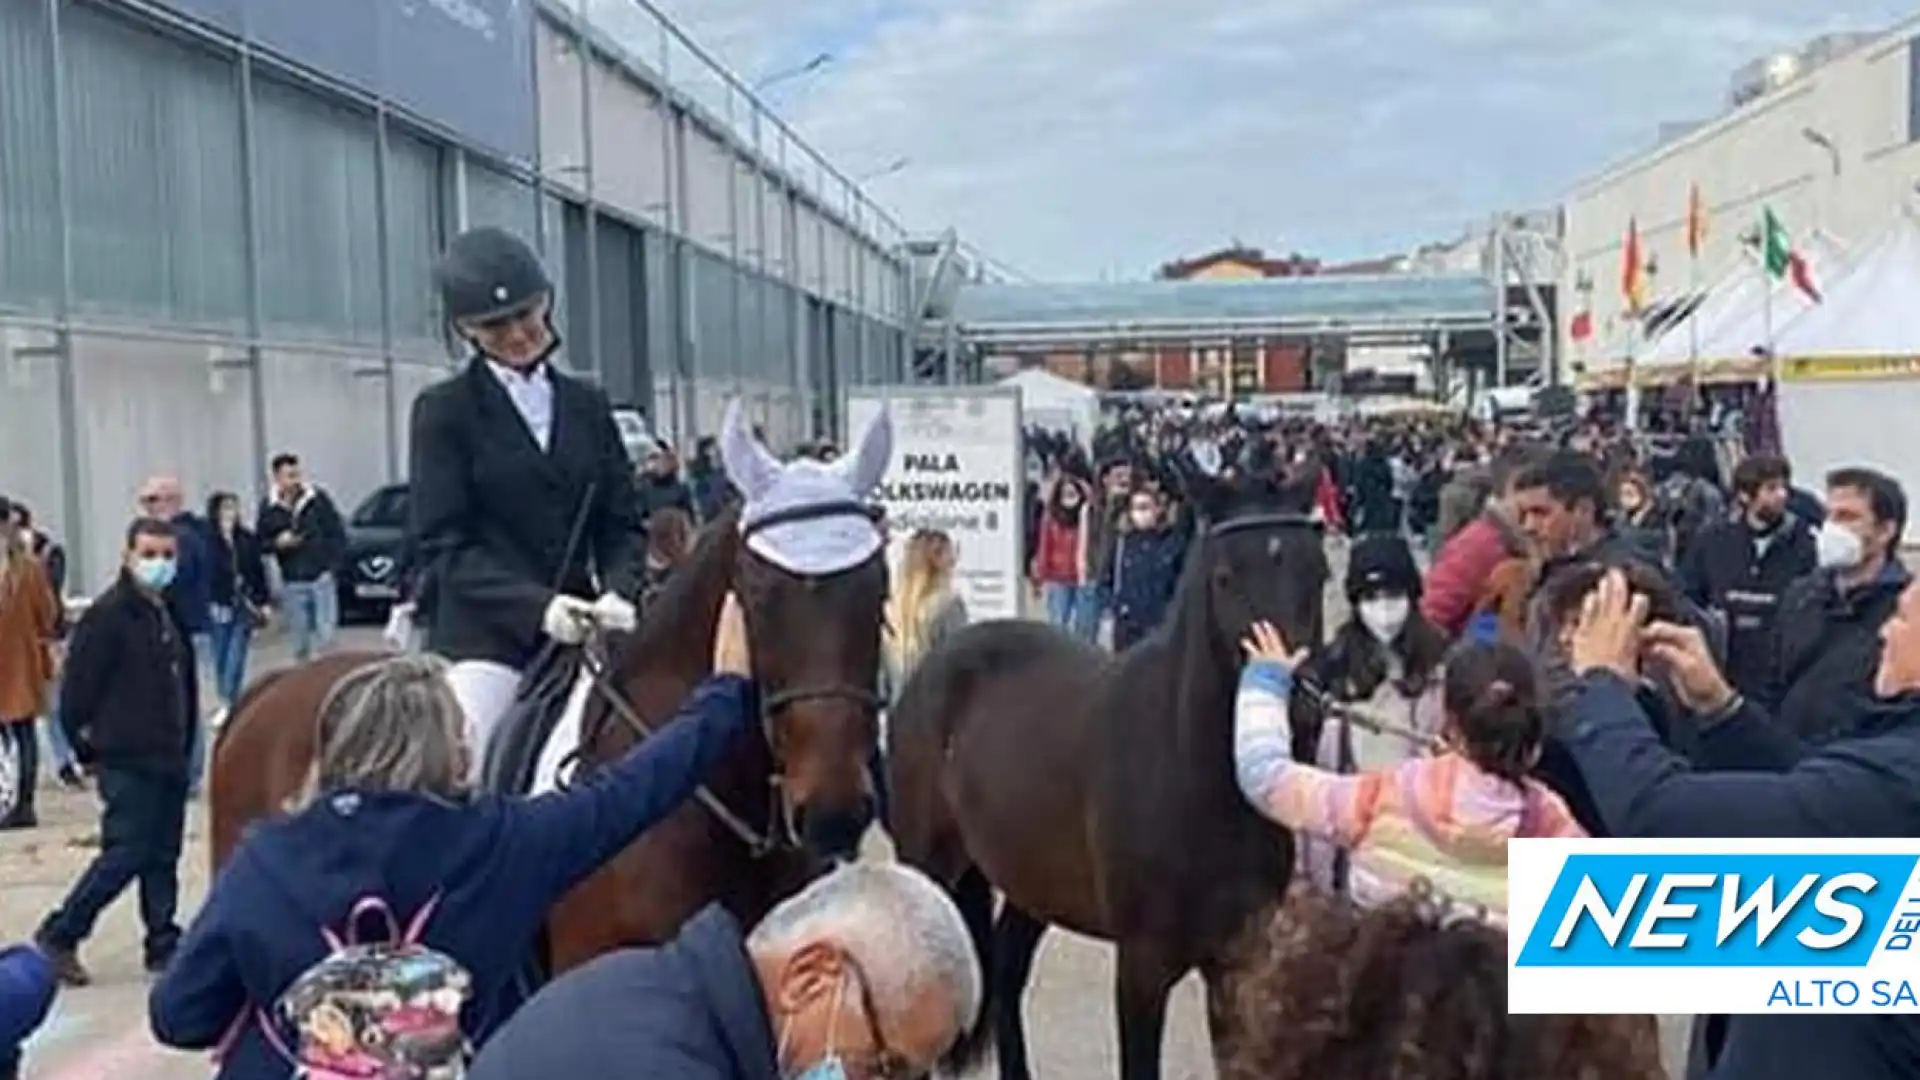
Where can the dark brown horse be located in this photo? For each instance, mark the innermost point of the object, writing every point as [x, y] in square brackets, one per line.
[1097, 793]
[793, 791]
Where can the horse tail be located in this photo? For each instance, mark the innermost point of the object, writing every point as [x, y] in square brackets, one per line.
[922, 723]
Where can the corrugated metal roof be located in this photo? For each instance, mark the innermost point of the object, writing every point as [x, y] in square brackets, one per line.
[1331, 299]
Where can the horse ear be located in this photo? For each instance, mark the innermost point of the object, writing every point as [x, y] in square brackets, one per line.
[750, 466]
[867, 466]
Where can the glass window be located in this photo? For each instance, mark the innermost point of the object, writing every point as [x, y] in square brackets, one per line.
[156, 180]
[318, 213]
[29, 196]
[415, 210]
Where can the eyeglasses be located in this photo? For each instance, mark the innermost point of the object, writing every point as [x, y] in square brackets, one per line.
[882, 1062]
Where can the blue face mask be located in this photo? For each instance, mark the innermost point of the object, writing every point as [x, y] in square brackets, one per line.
[155, 573]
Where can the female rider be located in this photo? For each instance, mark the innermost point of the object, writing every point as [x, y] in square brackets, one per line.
[522, 500]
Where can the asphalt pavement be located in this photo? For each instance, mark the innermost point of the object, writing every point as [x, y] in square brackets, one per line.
[100, 1032]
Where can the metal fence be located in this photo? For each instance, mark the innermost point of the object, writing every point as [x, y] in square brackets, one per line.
[209, 255]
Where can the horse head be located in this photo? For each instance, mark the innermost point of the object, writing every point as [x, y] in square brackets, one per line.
[811, 576]
[1260, 556]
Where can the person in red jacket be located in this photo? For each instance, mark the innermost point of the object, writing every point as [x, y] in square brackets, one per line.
[1461, 568]
[1060, 562]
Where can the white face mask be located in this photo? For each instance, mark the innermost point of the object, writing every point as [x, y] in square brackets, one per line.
[1837, 547]
[1385, 616]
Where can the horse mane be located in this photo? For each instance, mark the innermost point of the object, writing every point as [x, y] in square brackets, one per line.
[697, 583]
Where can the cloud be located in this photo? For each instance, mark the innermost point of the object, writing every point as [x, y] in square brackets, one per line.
[1075, 138]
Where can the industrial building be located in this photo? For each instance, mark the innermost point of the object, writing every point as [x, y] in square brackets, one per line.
[218, 220]
[1826, 136]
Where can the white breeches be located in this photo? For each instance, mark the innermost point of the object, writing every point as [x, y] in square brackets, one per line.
[485, 691]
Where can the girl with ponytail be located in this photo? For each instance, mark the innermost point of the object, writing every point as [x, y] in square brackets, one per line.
[1443, 818]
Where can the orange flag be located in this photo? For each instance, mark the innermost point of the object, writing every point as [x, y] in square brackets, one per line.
[1633, 270]
[1696, 221]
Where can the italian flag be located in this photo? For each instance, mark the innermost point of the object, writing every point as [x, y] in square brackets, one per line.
[1782, 259]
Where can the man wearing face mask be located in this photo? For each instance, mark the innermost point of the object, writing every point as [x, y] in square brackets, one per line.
[129, 703]
[1830, 620]
[868, 973]
[1743, 565]
[522, 504]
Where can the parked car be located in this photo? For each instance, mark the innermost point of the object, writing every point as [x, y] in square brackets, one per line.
[376, 534]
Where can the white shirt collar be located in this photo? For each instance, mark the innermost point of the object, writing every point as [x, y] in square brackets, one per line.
[511, 379]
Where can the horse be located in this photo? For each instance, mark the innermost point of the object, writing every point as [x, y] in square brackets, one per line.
[1097, 793]
[791, 795]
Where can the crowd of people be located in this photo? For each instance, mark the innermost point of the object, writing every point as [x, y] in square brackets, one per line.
[1610, 638]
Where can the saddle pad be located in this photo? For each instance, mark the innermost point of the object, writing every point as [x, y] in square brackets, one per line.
[564, 738]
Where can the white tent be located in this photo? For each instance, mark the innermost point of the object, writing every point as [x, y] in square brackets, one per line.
[1733, 292]
[1768, 313]
[1849, 386]
[1054, 403]
[1872, 310]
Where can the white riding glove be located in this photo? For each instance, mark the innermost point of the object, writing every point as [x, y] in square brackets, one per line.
[613, 612]
[399, 630]
[569, 620]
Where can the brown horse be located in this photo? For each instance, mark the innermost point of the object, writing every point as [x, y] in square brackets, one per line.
[1097, 793]
[791, 793]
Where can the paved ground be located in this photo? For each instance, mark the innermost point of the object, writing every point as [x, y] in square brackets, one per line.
[100, 1033]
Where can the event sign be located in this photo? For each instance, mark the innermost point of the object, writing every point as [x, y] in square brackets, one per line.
[959, 467]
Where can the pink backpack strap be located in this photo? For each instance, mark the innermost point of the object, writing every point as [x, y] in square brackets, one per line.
[418, 924]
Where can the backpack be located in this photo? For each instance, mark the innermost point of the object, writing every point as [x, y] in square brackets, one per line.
[375, 1010]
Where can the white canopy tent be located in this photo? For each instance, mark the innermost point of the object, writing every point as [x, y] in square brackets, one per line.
[1736, 290]
[1768, 311]
[1850, 384]
[1056, 404]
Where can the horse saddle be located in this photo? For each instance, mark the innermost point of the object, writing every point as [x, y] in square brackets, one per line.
[513, 751]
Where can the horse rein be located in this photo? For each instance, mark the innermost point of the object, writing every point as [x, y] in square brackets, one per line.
[1324, 700]
[780, 830]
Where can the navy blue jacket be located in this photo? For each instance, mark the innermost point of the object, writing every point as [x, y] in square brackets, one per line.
[1146, 570]
[26, 995]
[191, 593]
[689, 1010]
[1765, 784]
[497, 865]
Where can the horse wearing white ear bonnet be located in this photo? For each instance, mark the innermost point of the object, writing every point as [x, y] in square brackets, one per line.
[807, 517]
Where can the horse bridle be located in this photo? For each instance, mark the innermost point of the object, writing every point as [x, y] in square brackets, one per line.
[780, 830]
[1257, 523]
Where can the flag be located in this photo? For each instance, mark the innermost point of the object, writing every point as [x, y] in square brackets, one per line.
[1582, 326]
[1696, 221]
[1782, 259]
[1633, 270]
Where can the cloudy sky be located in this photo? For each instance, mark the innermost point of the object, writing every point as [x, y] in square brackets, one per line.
[1080, 138]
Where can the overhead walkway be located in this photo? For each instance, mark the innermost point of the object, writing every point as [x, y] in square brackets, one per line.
[1360, 308]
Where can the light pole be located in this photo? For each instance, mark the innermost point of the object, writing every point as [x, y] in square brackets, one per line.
[1820, 140]
[813, 64]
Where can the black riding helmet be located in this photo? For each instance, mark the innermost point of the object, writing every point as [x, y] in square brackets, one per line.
[489, 273]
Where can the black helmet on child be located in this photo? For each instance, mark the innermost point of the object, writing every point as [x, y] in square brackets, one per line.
[489, 273]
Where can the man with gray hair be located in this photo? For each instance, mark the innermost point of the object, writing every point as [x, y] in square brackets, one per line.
[869, 972]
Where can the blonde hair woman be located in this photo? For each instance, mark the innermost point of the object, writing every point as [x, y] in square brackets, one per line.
[393, 820]
[29, 619]
[922, 609]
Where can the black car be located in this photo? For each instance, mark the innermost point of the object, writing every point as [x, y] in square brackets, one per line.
[374, 563]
